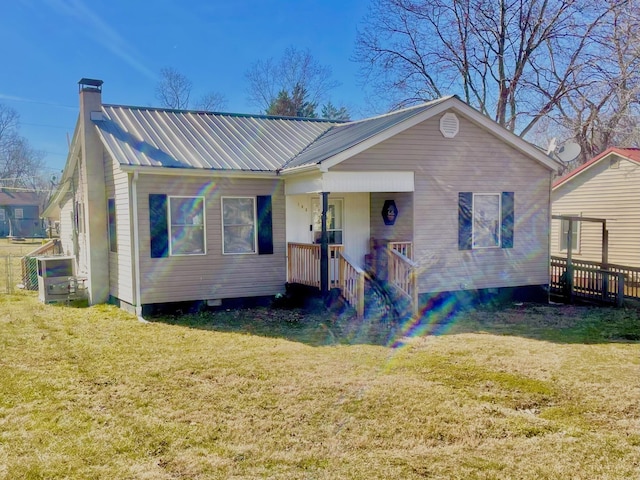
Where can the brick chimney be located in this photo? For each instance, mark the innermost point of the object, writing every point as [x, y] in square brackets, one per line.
[94, 261]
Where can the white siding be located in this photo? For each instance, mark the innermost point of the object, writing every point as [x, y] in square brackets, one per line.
[602, 192]
[473, 161]
[214, 275]
[120, 264]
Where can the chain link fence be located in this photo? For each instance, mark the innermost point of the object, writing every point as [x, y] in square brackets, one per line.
[19, 264]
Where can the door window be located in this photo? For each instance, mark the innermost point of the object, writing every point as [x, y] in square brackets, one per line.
[334, 220]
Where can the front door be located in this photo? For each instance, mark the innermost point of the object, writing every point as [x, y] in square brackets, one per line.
[335, 220]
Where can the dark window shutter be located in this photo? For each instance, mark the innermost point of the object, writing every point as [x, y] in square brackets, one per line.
[508, 217]
[265, 225]
[465, 220]
[158, 225]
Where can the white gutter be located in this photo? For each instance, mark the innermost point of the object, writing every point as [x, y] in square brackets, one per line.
[136, 247]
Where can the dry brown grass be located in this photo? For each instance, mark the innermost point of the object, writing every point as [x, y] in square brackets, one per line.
[94, 393]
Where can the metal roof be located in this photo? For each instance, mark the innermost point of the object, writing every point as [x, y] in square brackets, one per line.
[344, 136]
[139, 136]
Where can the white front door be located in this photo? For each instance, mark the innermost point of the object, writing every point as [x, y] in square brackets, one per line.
[335, 220]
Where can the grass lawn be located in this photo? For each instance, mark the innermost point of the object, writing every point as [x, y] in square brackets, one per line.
[528, 392]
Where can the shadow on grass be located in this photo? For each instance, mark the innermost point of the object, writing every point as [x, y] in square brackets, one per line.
[315, 327]
[554, 323]
[319, 326]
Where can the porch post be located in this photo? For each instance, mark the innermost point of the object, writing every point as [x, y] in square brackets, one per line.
[324, 247]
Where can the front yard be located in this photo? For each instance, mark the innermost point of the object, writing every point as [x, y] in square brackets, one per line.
[528, 392]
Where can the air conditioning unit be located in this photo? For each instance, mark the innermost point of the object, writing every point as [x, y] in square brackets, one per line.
[57, 281]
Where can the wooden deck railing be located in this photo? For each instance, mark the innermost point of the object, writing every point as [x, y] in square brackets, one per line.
[587, 280]
[405, 248]
[304, 263]
[351, 283]
[403, 274]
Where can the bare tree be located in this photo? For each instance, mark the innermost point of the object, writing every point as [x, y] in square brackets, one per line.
[516, 61]
[211, 102]
[295, 69]
[19, 162]
[605, 111]
[174, 91]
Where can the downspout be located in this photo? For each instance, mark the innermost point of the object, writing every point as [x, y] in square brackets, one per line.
[136, 246]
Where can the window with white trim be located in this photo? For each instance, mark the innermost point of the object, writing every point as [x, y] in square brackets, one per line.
[186, 226]
[486, 220]
[18, 213]
[2, 217]
[238, 225]
[575, 236]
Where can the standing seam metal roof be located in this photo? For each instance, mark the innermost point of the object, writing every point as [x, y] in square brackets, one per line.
[139, 136]
[172, 138]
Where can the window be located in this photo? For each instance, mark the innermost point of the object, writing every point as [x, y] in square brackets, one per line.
[111, 218]
[334, 220]
[238, 225]
[18, 213]
[485, 220]
[575, 236]
[2, 217]
[186, 220]
[243, 226]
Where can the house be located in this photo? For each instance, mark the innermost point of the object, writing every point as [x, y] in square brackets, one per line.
[19, 214]
[607, 188]
[161, 206]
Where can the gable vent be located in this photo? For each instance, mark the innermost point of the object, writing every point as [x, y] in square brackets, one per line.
[449, 125]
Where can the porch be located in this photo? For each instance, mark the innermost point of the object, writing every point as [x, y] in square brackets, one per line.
[389, 264]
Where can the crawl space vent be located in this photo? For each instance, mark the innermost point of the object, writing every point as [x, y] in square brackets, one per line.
[449, 125]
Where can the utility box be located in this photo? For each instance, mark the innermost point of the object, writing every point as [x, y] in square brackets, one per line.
[57, 281]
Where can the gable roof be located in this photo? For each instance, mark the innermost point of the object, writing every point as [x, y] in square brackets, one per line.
[13, 198]
[153, 137]
[631, 154]
[342, 137]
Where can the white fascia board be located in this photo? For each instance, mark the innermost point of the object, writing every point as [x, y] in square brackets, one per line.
[386, 134]
[53, 207]
[509, 137]
[352, 182]
[463, 109]
[303, 184]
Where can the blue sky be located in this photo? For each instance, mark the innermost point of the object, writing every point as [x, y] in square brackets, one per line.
[46, 46]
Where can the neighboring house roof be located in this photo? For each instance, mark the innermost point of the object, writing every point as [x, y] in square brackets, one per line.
[18, 199]
[631, 154]
[154, 137]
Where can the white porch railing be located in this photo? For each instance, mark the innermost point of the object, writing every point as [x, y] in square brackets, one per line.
[403, 274]
[351, 283]
[304, 263]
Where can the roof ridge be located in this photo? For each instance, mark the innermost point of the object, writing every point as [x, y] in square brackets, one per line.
[225, 114]
[401, 110]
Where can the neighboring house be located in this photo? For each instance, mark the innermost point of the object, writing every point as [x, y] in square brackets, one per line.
[606, 187]
[165, 206]
[19, 214]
